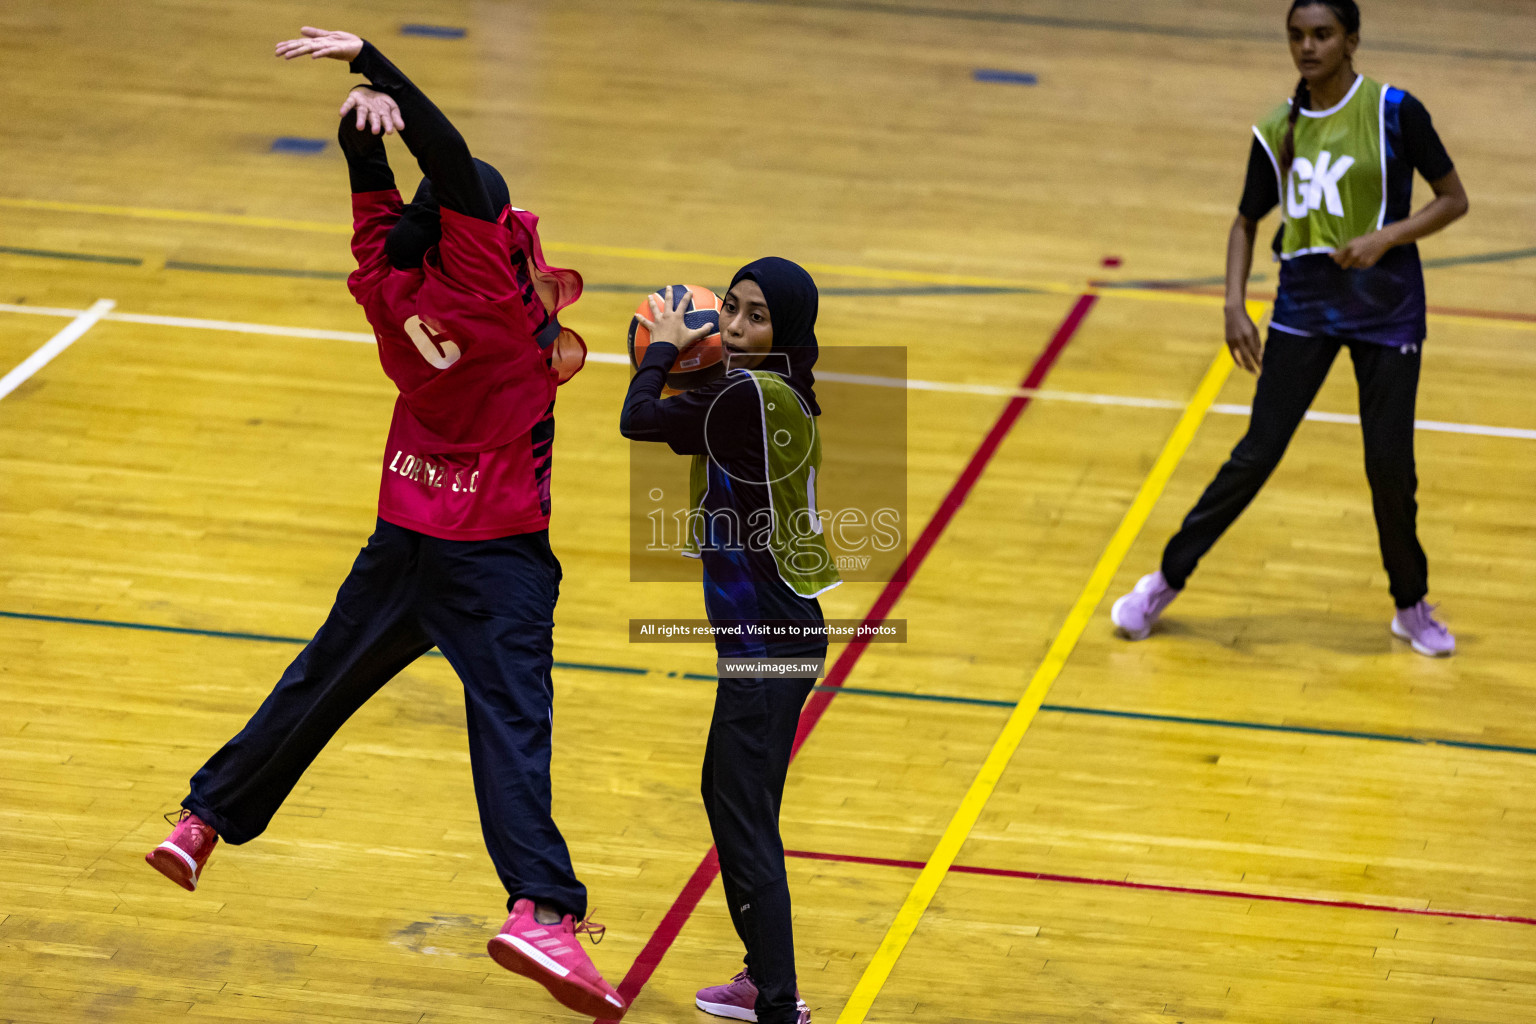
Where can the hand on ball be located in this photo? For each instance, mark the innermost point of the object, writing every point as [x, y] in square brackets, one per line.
[667, 324]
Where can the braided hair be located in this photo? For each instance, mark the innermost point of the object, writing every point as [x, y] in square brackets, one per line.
[1348, 13]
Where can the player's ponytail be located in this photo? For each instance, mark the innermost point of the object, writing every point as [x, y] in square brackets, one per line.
[1348, 13]
[1302, 98]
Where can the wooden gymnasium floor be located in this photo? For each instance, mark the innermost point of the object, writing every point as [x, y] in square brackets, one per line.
[1271, 812]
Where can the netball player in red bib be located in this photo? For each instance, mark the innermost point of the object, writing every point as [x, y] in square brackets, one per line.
[465, 312]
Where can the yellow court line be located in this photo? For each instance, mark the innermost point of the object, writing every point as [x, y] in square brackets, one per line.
[703, 259]
[186, 216]
[615, 251]
[965, 817]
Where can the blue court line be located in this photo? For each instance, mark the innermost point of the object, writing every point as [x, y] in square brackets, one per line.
[1066, 709]
[433, 31]
[296, 144]
[1004, 77]
[1000, 17]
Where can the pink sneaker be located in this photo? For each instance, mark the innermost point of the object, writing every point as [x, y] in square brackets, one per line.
[737, 999]
[1418, 626]
[1137, 612]
[182, 856]
[551, 955]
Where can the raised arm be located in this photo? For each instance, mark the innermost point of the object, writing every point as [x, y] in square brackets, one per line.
[365, 117]
[438, 147]
[679, 421]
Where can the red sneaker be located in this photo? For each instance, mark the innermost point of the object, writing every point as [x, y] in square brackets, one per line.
[551, 955]
[182, 856]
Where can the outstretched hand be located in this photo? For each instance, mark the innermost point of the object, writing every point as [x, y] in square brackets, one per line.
[375, 110]
[669, 326]
[319, 42]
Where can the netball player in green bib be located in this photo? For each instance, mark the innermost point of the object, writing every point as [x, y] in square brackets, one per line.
[757, 531]
[1338, 159]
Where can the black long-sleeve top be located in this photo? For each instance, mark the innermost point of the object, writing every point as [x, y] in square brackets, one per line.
[439, 149]
[723, 421]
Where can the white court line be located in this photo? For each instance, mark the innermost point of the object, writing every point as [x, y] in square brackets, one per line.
[617, 359]
[84, 320]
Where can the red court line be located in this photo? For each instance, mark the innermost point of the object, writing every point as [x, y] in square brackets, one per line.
[699, 882]
[1041, 876]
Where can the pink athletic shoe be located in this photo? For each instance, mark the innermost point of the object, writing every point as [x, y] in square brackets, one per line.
[1418, 626]
[182, 856]
[737, 999]
[1137, 612]
[551, 955]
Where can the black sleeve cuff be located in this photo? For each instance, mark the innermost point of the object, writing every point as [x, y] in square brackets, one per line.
[660, 354]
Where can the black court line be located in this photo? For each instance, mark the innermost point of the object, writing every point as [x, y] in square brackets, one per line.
[1000, 17]
[1064, 709]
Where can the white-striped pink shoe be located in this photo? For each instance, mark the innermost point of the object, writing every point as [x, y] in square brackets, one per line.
[182, 856]
[551, 955]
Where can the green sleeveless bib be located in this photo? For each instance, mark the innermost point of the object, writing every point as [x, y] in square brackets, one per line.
[1336, 189]
[792, 454]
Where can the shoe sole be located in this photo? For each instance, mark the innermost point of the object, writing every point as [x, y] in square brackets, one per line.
[172, 863]
[726, 1010]
[1129, 634]
[1403, 634]
[568, 991]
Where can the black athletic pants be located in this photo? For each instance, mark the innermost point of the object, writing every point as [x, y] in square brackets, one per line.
[489, 607]
[1294, 369]
[745, 763]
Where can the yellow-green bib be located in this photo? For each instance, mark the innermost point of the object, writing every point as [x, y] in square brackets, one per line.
[1336, 188]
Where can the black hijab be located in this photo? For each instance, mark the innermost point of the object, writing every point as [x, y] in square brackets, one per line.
[420, 226]
[792, 301]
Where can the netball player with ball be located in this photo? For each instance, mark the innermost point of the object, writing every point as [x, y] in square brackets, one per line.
[464, 309]
[1338, 159]
[751, 432]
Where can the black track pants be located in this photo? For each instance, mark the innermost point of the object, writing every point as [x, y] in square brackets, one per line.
[1294, 369]
[745, 763]
[489, 607]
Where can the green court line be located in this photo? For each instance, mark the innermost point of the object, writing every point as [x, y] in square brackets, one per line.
[226, 268]
[1482, 257]
[83, 257]
[1065, 709]
[1502, 256]
[1007, 17]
